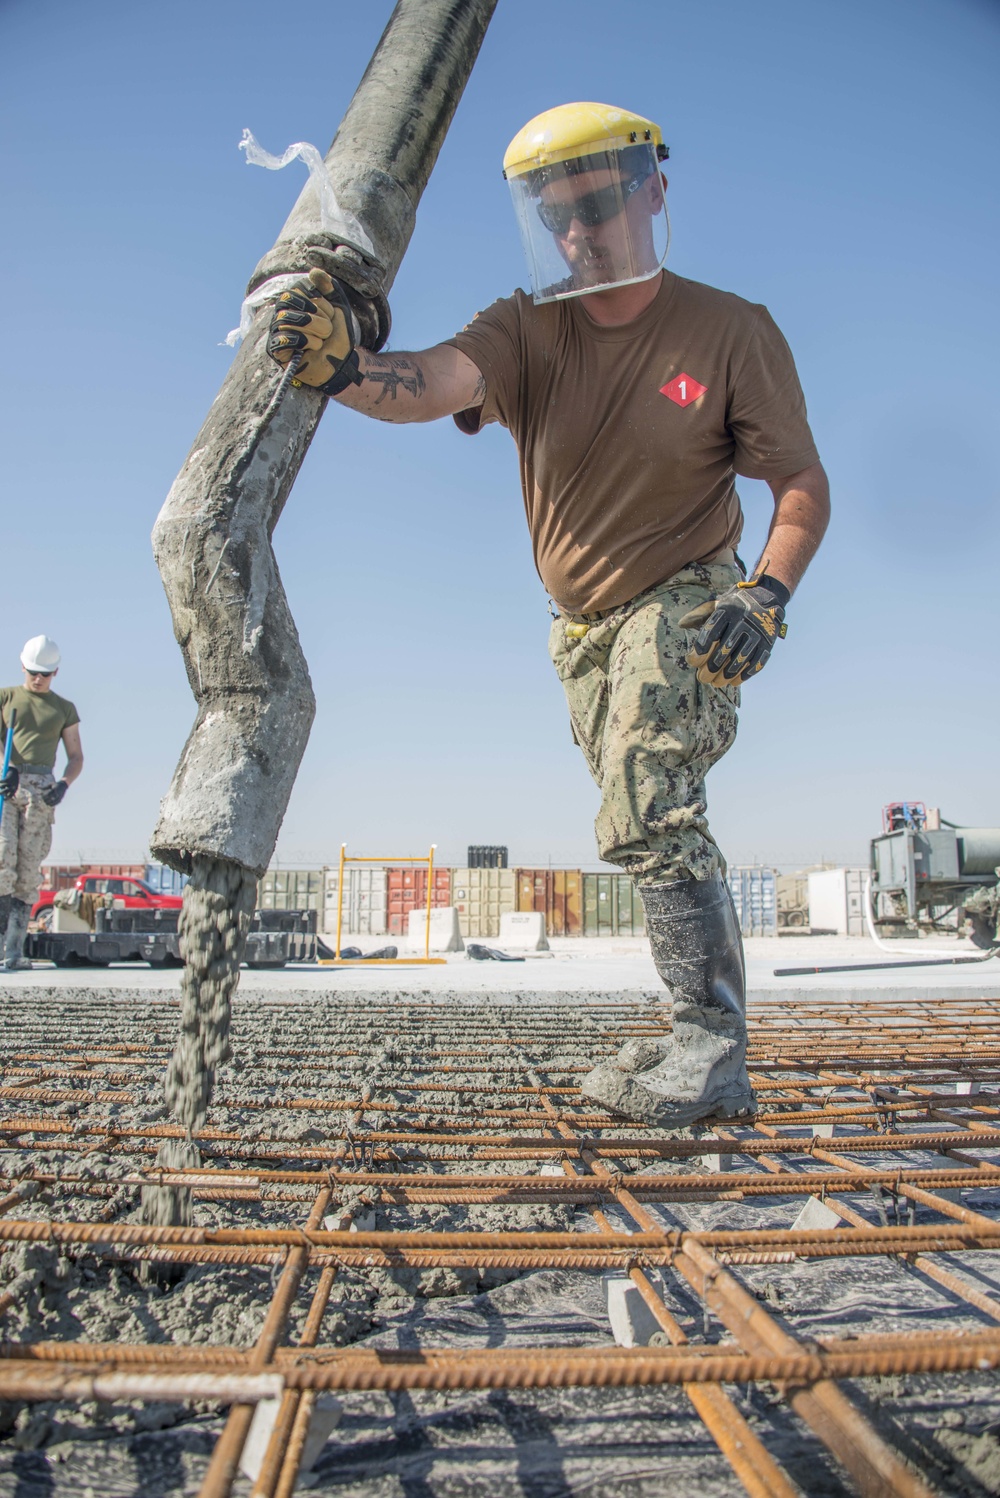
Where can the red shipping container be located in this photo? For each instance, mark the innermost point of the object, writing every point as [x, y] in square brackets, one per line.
[407, 890]
[61, 875]
[554, 892]
[65, 875]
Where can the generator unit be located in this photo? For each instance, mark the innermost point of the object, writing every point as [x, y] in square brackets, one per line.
[929, 871]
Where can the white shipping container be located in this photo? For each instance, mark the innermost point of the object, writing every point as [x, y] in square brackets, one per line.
[365, 901]
[755, 897]
[481, 897]
[837, 901]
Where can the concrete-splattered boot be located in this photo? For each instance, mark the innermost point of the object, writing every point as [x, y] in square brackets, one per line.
[700, 1070]
[17, 930]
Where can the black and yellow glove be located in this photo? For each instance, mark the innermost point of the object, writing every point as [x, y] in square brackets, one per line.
[315, 320]
[737, 630]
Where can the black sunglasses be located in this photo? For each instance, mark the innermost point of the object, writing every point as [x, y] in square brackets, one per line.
[592, 208]
[39, 673]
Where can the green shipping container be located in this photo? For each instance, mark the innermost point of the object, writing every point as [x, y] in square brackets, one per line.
[292, 889]
[611, 906]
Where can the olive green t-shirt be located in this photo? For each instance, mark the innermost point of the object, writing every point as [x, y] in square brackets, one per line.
[41, 718]
[630, 438]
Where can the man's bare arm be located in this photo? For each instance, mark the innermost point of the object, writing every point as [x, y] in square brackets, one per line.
[415, 387]
[801, 515]
[74, 753]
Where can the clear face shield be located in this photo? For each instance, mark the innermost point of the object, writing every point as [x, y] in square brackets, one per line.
[594, 221]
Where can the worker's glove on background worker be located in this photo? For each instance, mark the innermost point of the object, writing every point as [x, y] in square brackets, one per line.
[315, 319]
[10, 782]
[737, 630]
[55, 793]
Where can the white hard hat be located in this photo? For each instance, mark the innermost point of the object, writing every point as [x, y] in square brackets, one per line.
[40, 654]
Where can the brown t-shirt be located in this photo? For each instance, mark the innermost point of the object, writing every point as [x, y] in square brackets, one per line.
[630, 437]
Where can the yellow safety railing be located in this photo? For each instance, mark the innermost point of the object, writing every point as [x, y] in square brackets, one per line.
[337, 960]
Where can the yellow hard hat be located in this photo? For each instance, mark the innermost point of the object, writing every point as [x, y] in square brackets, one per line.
[606, 156]
[574, 130]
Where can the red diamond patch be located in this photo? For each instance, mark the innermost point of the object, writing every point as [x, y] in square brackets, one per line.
[682, 389]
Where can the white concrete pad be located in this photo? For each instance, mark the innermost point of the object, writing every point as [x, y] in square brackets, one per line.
[816, 1214]
[444, 930]
[326, 1416]
[715, 1164]
[523, 931]
[632, 1322]
[361, 1222]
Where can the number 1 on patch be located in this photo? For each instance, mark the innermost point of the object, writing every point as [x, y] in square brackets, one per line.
[683, 389]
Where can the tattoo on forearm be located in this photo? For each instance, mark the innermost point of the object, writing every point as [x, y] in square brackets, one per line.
[394, 372]
[480, 395]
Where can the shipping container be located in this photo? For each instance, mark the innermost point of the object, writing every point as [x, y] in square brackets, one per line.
[611, 906]
[556, 893]
[407, 890]
[164, 881]
[755, 896]
[63, 875]
[837, 901]
[291, 889]
[481, 896]
[364, 910]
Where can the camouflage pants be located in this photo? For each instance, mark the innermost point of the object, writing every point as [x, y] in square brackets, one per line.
[25, 838]
[649, 730]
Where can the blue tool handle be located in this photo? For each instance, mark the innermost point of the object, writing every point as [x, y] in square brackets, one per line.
[8, 750]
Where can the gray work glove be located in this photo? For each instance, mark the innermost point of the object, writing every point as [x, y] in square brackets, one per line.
[55, 793]
[10, 782]
[736, 630]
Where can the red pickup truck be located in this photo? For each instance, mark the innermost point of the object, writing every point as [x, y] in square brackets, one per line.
[133, 893]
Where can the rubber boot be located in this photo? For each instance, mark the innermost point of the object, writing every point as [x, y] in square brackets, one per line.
[699, 1071]
[17, 930]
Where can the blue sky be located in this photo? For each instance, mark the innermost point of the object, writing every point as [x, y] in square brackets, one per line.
[836, 161]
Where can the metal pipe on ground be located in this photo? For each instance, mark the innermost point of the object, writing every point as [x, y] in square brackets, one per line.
[875, 967]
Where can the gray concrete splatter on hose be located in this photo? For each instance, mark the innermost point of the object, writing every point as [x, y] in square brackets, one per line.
[212, 540]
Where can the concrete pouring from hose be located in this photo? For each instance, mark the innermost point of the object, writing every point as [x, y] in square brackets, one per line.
[220, 818]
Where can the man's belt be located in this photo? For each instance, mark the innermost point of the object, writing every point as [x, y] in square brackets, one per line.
[726, 557]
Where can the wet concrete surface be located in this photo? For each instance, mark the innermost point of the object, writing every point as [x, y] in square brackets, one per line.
[545, 1443]
[590, 965]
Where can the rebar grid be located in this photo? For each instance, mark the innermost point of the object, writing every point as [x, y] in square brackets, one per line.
[875, 1108]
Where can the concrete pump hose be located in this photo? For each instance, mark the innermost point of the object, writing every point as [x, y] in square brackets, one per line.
[900, 951]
